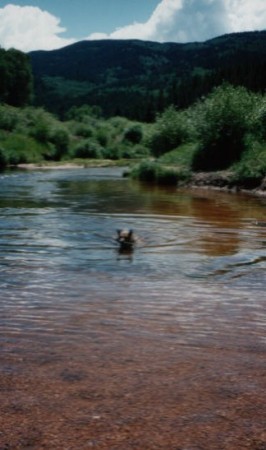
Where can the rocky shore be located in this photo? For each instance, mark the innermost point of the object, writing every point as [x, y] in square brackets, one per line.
[224, 180]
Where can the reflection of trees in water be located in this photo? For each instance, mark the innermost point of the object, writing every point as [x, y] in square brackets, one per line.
[217, 219]
[215, 244]
[216, 216]
[221, 221]
[223, 217]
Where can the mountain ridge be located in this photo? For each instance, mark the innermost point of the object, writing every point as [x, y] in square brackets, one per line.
[129, 76]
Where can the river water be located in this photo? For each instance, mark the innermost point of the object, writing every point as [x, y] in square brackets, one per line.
[196, 276]
[161, 348]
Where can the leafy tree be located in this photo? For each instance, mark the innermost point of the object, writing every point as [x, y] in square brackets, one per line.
[83, 112]
[60, 139]
[9, 117]
[15, 78]
[223, 120]
[258, 120]
[171, 129]
[133, 134]
[87, 149]
[3, 159]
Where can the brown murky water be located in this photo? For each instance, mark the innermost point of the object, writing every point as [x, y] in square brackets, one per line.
[163, 348]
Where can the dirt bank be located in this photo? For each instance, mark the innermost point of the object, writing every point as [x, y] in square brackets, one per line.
[223, 180]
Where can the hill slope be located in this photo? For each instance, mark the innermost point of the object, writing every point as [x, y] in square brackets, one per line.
[138, 78]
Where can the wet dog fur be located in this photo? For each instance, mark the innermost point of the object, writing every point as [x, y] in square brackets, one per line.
[125, 239]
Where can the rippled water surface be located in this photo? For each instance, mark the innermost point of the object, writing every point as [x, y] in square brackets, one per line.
[196, 277]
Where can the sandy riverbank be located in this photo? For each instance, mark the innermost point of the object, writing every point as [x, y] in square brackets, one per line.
[67, 165]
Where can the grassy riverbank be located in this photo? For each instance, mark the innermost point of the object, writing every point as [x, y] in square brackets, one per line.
[222, 133]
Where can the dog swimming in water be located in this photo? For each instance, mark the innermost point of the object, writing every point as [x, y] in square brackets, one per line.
[126, 240]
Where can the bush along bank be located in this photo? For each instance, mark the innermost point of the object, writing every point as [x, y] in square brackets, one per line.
[219, 142]
[223, 134]
[33, 135]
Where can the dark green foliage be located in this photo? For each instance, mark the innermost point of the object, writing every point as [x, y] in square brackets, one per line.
[9, 118]
[87, 149]
[30, 135]
[83, 113]
[223, 121]
[171, 129]
[3, 159]
[153, 172]
[146, 171]
[182, 156]
[137, 151]
[102, 134]
[139, 79]
[84, 131]
[251, 170]
[133, 134]
[112, 152]
[258, 120]
[18, 148]
[60, 139]
[15, 78]
[41, 130]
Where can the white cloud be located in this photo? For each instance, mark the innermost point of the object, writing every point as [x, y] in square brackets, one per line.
[29, 28]
[246, 15]
[194, 20]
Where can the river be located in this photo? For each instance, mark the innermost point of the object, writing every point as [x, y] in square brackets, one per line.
[195, 280]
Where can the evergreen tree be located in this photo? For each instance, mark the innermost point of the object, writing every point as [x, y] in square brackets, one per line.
[15, 78]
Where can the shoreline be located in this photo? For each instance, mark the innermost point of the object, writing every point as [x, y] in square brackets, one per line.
[223, 181]
[66, 165]
[220, 180]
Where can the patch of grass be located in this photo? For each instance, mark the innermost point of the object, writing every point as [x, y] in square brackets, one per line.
[181, 156]
[251, 169]
[154, 172]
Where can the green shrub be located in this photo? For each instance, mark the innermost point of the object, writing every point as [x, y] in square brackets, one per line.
[152, 172]
[102, 135]
[3, 159]
[145, 171]
[37, 123]
[258, 120]
[60, 139]
[9, 117]
[112, 152]
[170, 130]
[223, 121]
[118, 123]
[87, 149]
[83, 113]
[137, 151]
[251, 169]
[22, 149]
[167, 176]
[83, 130]
[121, 151]
[41, 131]
[133, 134]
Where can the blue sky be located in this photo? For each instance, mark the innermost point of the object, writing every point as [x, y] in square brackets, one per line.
[49, 24]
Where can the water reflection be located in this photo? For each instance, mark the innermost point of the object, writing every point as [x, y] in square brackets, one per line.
[199, 262]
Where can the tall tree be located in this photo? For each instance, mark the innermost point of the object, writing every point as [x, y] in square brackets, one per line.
[16, 86]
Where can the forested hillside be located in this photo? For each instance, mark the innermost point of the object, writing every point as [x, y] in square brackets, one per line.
[138, 79]
[15, 78]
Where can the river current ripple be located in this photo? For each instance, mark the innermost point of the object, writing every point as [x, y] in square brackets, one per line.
[196, 276]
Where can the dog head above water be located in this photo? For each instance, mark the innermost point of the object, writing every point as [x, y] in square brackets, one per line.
[125, 238]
